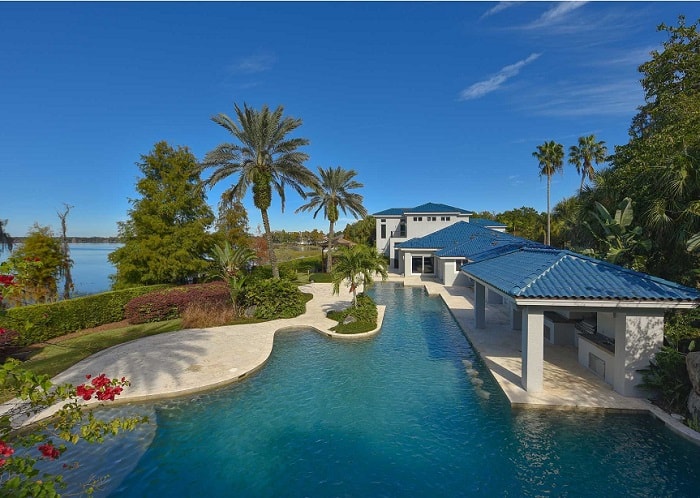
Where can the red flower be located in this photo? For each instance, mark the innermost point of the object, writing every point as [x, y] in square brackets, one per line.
[49, 451]
[101, 387]
[5, 450]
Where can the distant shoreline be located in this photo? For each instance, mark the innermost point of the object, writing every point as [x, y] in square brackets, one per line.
[79, 240]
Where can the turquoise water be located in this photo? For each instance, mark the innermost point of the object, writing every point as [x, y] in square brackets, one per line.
[392, 416]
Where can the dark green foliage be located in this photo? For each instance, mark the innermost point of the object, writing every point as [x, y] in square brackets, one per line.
[667, 377]
[365, 315]
[274, 299]
[170, 303]
[361, 232]
[41, 322]
[166, 238]
[682, 328]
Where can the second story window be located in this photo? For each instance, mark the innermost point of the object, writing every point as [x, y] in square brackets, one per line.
[383, 232]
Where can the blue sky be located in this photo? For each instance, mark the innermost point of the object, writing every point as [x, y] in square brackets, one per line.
[428, 102]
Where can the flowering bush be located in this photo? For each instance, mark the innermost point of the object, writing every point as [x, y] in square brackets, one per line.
[35, 393]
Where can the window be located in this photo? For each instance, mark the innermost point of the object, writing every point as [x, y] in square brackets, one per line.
[459, 264]
[402, 229]
[383, 235]
[383, 220]
[431, 218]
[444, 218]
[422, 264]
[417, 218]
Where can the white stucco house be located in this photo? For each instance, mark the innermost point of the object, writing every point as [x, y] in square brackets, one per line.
[397, 225]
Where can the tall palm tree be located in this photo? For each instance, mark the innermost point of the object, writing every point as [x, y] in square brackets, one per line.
[551, 159]
[584, 154]
[264, 158]
[331, 194]
[356, 265]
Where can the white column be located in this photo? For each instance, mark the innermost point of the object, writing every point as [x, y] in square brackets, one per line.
[480, 305]
[638, 337]
[532, 350]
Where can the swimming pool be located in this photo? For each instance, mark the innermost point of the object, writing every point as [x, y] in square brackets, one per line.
[395, 415]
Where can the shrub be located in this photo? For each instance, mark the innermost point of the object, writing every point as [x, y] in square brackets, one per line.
[667, 377]
[274, 299]
[365, 315]
[202, 315]
[41, 322]
[171, 303]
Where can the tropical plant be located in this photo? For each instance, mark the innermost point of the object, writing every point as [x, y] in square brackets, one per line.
[264, 159]
[331, 195]
[585, 154]
[166, 239]
[232, 262]
[621, 243]
[356, 265]
[667, 377]
[550, 156]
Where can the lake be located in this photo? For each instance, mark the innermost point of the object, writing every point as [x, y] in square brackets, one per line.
[91, 268]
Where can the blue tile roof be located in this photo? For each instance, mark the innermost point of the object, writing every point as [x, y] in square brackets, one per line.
[483, 222]
[536, 272]
[429, 207]
[390, 212]
[462, 239]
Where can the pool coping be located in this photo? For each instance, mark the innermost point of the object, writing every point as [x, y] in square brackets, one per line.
[160, 358]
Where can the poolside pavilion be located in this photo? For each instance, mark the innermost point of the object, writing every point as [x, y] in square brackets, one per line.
[613, 317]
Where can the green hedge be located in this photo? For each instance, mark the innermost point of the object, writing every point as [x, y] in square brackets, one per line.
[41, 322]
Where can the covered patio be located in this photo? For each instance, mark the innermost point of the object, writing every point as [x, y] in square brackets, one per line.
[569, 314]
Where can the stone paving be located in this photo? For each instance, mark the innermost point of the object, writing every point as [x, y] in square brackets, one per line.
[186, 361]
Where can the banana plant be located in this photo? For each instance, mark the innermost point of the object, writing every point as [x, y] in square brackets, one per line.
[621, 242]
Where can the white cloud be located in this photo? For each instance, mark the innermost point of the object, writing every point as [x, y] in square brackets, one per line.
[556, 14]
[257, 63]
[496, 81]
[619, 98]
[499, 7]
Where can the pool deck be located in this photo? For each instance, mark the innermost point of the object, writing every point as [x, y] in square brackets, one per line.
[568, 385]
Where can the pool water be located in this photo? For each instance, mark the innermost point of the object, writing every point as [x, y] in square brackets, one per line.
[395, 415]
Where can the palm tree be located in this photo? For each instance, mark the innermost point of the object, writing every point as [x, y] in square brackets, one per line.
[551, 159]
[231, 262]
[264, 158]
[356, 265]
[330, 195]
[584, 154]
